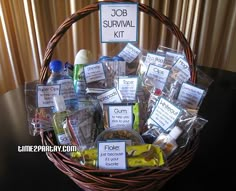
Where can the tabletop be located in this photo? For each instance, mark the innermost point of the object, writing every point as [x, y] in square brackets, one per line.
[212, 164]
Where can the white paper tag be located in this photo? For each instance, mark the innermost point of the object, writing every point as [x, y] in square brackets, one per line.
[94, 72]
[45, 95]
[111, 96]
[67, 89]
[156, 59]
[121, 116]
[165, 114]
[112, 155]
[158, 74]
[129, 53]
[190, 96]
[182, 68]
[128, 87]
[119, 22]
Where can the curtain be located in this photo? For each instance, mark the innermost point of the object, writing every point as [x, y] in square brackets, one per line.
[26, 26]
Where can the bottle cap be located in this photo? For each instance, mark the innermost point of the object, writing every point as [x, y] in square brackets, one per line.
[59, 103]
[56, 66]
[118, 58]
[83, 57]
[175, 132]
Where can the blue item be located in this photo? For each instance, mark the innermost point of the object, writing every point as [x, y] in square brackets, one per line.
[56, 66]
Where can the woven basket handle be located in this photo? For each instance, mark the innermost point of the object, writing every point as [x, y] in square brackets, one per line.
[95, 7]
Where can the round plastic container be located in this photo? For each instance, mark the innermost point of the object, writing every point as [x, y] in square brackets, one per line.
[120, 134]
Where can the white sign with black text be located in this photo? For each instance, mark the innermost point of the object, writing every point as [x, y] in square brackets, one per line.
[112, 155]
[118, 22]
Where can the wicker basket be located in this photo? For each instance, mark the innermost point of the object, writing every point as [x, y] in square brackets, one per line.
[113, 180]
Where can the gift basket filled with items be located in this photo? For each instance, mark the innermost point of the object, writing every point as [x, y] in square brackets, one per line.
[131, 118]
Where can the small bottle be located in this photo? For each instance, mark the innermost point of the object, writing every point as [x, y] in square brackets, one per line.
[167, 142]
[66, 83]
[59, 118]
[82, 57]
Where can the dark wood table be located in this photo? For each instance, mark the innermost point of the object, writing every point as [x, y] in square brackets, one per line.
[212, 165]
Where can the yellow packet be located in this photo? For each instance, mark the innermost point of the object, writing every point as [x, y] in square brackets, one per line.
[146, 155]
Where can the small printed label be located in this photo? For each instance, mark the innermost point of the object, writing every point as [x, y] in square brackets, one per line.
[129, 53]
[181, 67]
[67, 89]
[63, 139]
[158, 74]
[156, 59]
[45, 95]
[190, 96]
[128, 87]
[121, 116]
[94, 72]
[112, 155]
[111, 96]
[165, 114]
[118, 22]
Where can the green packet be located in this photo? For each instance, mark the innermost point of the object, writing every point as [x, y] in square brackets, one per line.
[121, 115]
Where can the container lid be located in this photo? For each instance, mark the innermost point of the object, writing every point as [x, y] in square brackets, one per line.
[59, 103]
[83, 57]
[175, 132]
[56, 66]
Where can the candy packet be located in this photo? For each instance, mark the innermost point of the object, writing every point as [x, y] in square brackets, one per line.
[110, 96]
[171, 55]
[125, 115]
[38, 103]
[179, 73]
[188, 94]
[166, 114]
[130, 53]
[171, 126]
[127, 86]
[146, 155]
[156, 59]
[82, 127]
[96, 77]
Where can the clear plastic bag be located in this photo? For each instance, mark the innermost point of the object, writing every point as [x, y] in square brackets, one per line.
[38, 118]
